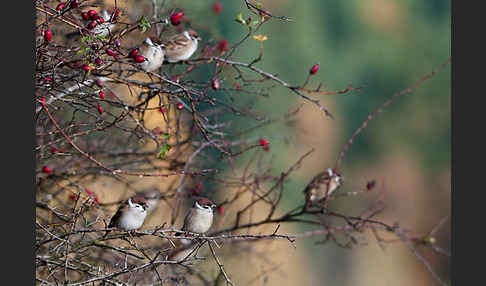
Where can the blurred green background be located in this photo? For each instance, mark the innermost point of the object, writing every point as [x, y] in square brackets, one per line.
[384, 46]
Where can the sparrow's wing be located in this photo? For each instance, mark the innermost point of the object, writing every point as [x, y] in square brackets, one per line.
[155, 40]
[176, 42]
[116, 217]
[187, 219]
[317, 181]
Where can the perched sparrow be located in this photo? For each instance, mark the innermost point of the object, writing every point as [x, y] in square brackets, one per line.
[152, 198]
[101, 29]
[180, 47]
[130, 215]
[322, 185]
[153, 53]
[199, 218]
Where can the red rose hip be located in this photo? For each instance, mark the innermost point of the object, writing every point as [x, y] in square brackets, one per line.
[217, 7]
[102, 95]
[175, 18]
[139, 59]
[133, 53]
[110, 52]
[47, 170]
[314, 69]
[93, 15]
[85, 16]
[223, 45]
[264, 143]
[48, 35]
[74, 4]
[91, 25]
[60, 6]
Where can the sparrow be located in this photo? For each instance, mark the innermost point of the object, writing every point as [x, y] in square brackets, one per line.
[130, 215]
[101, 29]
[152, 50]
[152, 198]
[181, 47]
[322, 186]
[199, 217]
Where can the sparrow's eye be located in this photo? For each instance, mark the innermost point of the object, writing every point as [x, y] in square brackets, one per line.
[141, 207]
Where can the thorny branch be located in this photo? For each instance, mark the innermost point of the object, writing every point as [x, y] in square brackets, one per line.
[83, 136]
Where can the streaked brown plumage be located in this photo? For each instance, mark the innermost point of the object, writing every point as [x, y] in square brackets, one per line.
[322, 185]
[181, 47]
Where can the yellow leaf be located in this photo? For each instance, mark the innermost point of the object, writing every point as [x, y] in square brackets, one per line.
[239, 19]
[260, 38]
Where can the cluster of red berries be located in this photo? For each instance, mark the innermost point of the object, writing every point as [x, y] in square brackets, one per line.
[59, 8]
[111, 52]
[93, 17]
[175, 18]
[72, 4]
[135, 56]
